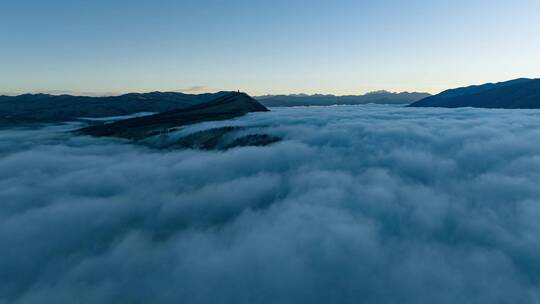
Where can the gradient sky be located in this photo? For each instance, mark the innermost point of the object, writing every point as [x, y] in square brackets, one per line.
[261, 47]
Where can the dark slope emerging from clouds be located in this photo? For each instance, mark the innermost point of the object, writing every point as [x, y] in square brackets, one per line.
[515, 94]
[224, 107]
[221, 138]
[378, 97]
[30, 108]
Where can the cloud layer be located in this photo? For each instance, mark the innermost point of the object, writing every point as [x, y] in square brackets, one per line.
[369, 204]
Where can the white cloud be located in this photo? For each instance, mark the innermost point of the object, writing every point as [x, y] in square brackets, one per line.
[194, 89]
[368, 204]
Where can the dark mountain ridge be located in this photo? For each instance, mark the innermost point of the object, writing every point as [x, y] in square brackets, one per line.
[522, 93]
[29, 108]
[226, 106]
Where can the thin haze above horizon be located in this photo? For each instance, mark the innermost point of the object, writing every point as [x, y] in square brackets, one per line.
[278, 47]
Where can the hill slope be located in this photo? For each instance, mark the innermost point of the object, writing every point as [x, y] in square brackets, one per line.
[520, 93]
[224, 107]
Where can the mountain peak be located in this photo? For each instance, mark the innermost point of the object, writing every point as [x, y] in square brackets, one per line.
[521, 93]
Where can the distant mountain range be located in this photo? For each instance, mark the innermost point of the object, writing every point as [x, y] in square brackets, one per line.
[29, 108]
[44, 108]
[378, 97]
[520, 93]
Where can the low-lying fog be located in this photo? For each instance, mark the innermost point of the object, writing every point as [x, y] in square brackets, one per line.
[358, 204]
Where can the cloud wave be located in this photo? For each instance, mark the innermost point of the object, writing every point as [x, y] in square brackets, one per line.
[370, 204]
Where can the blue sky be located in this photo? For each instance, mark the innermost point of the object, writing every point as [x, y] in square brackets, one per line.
[339, 47]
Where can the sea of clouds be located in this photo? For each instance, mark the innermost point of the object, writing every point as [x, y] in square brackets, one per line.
[358, 204]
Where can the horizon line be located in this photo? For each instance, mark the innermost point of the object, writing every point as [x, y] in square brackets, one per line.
[209, 91]
[114, 94]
